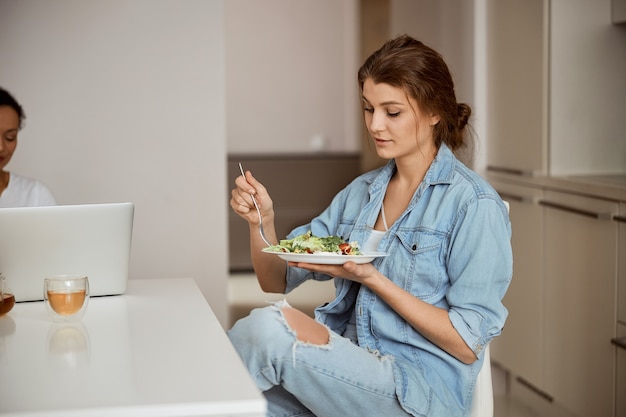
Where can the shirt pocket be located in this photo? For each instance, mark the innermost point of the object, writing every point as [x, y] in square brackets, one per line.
[418, 265]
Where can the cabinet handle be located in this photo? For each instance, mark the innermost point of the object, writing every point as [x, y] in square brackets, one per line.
[514, 171]
[586, 213]
[620, 342]
[621, 219]
[515, 197]
[534, 389]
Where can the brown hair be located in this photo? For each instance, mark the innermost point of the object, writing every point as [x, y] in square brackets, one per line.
[6, 99]
[422, 73]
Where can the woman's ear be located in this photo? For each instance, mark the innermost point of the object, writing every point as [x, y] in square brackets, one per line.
[434, 119]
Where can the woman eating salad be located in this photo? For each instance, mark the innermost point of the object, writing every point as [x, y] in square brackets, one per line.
[405, 334]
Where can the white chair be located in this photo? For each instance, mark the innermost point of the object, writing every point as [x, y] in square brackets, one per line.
[482, 402]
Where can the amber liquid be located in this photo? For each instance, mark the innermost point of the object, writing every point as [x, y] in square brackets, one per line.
[6, 303]
[66, 303]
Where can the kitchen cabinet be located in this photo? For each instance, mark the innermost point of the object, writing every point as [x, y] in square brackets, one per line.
[567, 298]
[542, 118]
[519, 347]
[543, 128]
[580, 247]
[517, 65]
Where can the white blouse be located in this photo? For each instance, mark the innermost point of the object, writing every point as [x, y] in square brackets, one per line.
[25, 192]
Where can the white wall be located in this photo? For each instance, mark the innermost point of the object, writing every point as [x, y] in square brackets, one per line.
[291, 76]
[587, 89]
[125, 102]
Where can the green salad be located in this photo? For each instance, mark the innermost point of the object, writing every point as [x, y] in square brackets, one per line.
[307, 243]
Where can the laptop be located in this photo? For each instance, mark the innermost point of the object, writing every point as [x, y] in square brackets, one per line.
[89, 239]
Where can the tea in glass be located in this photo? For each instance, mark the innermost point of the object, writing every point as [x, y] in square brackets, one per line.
[66, 296]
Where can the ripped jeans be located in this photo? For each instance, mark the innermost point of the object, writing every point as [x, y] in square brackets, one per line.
[303, 379]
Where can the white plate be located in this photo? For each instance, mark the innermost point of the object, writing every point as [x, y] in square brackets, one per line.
[327, 258]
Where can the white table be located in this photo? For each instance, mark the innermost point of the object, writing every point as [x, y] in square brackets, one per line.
[157, 350]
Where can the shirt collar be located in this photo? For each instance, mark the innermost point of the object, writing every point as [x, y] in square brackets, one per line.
[442, 168]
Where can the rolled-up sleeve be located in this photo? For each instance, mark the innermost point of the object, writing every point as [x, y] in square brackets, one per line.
[480, 267]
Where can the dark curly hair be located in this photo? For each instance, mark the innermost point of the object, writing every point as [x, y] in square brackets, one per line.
[6, 99]
[422, 73]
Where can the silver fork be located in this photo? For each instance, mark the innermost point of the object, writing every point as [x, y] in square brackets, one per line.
[257, 211]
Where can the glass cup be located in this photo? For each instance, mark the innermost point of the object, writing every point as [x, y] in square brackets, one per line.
[7, 299]
[66, 297]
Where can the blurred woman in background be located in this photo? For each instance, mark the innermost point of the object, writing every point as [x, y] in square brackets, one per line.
[16, 190]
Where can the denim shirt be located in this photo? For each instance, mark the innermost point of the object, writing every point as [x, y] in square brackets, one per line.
[451, 248]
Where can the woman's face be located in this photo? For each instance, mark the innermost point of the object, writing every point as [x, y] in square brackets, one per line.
[9, 125]
[395, 122]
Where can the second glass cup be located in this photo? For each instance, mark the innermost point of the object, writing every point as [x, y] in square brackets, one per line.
[66, 297]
